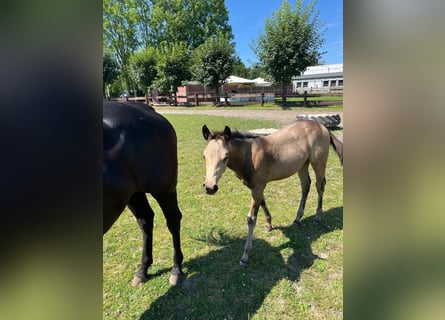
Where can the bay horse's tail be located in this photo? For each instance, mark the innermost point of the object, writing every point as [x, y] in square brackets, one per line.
[338, 146]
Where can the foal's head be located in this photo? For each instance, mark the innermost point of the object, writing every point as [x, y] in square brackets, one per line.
[216, 155]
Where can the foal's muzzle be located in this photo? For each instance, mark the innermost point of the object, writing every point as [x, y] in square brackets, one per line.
[210, 190]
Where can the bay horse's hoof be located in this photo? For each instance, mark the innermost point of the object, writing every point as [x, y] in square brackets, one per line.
[176, 279]
[138, 280]
[296, 223]
[268, 228]
[242, 264]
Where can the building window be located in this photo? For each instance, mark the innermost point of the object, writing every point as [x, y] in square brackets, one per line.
[333, 83]
[298, 84]
[340, 83]
[325, 83]
[305, 84]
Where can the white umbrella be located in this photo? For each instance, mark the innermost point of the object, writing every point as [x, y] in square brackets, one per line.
[238, 80]
[260, 82]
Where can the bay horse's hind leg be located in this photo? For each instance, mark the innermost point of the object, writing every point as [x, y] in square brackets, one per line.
[319, 169]
[305, 182]
[268, 226]
[173, 216]
[144, 215]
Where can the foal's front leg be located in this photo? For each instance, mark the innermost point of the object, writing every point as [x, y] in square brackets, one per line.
[257, 198]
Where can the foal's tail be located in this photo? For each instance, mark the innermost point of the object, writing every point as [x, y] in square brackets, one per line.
[338, 146]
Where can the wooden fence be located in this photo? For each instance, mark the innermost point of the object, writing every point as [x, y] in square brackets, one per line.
[294, 98]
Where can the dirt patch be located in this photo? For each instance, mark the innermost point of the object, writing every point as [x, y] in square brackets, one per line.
[282, 116]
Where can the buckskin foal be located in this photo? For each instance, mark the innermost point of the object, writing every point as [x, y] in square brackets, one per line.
[256, 160]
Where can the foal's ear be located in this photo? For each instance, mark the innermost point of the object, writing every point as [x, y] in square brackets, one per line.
[205, 132]
[227, 133]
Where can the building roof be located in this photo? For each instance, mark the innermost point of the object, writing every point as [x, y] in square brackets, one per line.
[319, 76]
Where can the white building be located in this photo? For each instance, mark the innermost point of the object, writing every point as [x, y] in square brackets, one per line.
[324, 78]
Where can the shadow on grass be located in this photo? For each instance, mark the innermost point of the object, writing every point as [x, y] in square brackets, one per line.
[218, 288]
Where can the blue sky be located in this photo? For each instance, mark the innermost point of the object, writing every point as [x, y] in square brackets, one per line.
[247, 20]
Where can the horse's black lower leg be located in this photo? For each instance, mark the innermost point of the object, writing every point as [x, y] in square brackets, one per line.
[140, 208]
[173, 216]
[305, 182]
[268, 226]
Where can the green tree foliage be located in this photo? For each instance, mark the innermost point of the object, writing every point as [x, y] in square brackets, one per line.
[142, 69]
[213, 61]
[172, 67]
[120, 32]
[290, 42]
[189, 21]
[131, 26]
[240, 69]
[143, 15]
[110, 72]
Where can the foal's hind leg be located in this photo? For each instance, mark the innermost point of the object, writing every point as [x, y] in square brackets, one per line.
[305, 182]
[169, 206]
[268, 226]
[140, 208]
[319, 169]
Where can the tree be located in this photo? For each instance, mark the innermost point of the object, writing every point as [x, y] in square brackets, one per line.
[142, 66]
[257, 70]
[172, 67]
[189, 21]
[143, 16]
[110, 72]
[119, 32]
[213, 62]
[290, 42]
[240, 69]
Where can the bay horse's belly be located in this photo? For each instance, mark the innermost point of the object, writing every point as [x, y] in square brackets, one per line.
[140, 155]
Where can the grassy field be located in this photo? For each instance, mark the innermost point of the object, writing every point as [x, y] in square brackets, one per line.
[293, 272]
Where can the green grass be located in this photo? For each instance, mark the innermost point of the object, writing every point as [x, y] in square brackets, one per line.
[293, 272]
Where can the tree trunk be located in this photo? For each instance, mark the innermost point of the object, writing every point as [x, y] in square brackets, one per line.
[284, 94]
[217, 94]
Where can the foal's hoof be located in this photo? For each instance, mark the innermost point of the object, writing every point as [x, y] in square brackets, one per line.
[138, 280]
[176, 279]
[242, 264]
[268, 228]
[317, 223]
[296, 223]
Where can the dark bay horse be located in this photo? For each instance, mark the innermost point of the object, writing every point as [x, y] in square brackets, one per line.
[256, 160]
[139, 157]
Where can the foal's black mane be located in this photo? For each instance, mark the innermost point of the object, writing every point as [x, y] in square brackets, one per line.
[242, 135]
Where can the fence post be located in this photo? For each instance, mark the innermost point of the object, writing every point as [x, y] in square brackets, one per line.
[262, 98]
[305, 99]
[196, 100]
